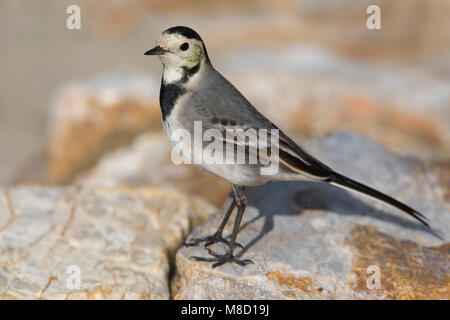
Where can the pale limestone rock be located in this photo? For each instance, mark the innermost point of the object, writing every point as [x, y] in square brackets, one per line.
[122, 240]
[311, 240]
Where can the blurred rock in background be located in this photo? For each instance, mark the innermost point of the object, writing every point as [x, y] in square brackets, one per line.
[312, 93]
[91, 119]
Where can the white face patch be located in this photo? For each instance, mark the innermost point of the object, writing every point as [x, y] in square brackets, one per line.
[176, 59]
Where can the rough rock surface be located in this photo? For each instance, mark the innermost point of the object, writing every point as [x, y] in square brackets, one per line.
[121, 239]
[311, 240]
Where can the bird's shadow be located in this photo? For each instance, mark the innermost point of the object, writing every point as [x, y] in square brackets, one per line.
[293, 197]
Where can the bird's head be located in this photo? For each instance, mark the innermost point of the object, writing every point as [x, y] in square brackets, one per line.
[180, 47]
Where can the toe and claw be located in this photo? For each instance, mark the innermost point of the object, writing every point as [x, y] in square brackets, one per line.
[221, 259]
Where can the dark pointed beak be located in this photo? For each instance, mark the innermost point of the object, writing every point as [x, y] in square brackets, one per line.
[156, 51]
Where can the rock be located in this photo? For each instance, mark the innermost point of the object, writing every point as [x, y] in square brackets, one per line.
[90, 119]
[147, 162]
[120, 240]
[315, 241]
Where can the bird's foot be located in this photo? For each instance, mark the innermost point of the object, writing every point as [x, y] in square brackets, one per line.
[210, 240]
[221, 259]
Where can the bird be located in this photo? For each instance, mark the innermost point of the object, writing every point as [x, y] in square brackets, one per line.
[193, 91]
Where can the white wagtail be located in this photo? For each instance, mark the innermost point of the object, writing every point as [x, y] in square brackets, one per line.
[192, 90]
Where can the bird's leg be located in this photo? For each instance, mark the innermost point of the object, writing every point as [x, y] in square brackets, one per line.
[217, 236]
[219, 259]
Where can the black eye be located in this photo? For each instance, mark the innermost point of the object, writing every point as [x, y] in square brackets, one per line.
[184, 46]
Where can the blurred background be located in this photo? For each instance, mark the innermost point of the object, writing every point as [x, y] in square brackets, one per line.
[81, 106]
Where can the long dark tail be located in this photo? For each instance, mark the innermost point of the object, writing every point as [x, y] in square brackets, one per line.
[354, 185]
